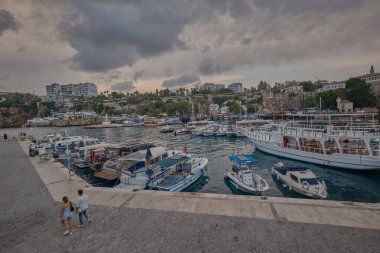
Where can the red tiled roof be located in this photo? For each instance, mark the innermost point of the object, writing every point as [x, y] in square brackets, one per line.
[369, 75]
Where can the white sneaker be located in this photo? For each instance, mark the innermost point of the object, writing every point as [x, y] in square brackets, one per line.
[80, 226]
[67, 232]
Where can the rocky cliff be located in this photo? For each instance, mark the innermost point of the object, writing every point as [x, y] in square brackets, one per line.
[13, 117]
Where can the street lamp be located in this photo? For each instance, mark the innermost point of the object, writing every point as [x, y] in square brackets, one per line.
[68, 155]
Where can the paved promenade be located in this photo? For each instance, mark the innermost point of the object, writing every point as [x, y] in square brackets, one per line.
[169, 222]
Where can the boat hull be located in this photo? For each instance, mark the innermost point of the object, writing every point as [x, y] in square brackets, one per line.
[244, 188]
[296, 188]
[341, 161]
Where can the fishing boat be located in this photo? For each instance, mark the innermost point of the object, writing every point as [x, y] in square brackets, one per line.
[243, 177]
[301, 180]
[345, 147]
[113, 169]
[137, 179]
[178, 173]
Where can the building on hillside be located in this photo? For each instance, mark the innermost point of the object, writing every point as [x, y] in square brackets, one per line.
[332, 86]
[212, 86]
[57, 91]
[236, 87]
[53, 90]
[372, 77]
[224, 110]
[344, 106]
[219, 86]
[294, 82]
[298, 88]
[214, 109]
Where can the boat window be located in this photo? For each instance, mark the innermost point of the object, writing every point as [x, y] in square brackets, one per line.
[294, 178]
[311, 181]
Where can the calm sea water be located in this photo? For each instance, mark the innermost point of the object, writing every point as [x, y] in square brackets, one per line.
[341, 184]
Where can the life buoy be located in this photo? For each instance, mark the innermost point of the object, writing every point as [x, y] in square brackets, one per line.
[305, 185]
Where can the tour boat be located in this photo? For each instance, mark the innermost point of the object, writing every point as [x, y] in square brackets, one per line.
[301, 180]
[242, 176]
[348, 147]
[178, 173]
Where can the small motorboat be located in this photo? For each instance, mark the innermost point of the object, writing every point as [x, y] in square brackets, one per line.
[178, 173]
[167, 129]
[181, 131]
[243, 177]
[300, 179]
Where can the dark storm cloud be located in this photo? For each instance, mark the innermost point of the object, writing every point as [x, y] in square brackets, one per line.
[138, 75]
[246, 41]
[123, 86]
[107, 35]
[209, 67]
[181, 81]
[206, 49]
[21, 49]
[7, 22]
[111, 34]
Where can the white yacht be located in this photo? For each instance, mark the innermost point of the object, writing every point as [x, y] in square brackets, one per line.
[348, 147]
[301, 180]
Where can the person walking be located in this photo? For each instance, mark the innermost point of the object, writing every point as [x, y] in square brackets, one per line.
[81, 208]
[66, 212]
[5, 136]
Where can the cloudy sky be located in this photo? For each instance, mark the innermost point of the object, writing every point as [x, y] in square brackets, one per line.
[147, 44]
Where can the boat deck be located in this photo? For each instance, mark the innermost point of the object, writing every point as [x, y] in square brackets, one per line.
[106, 175]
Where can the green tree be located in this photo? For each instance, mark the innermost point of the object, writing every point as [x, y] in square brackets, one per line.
[251, 108]
[234, 107]
[360, 93]
[308, 86]
[219, 100]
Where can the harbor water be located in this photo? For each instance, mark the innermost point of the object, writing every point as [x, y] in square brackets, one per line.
[344, 185]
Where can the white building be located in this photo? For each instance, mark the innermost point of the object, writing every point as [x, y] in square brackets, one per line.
[332, 86]
[214, 109]
[344, 105]
[236, 87]
[294, 88]
[219, 86]
[212, 86]
[372, 77]
[224, 110]
[294, 82]
[53, 90]
[71, 90]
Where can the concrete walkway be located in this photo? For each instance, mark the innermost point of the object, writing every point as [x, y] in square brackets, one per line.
[181, 222]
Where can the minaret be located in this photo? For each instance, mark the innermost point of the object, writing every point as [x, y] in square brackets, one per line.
[372, 70]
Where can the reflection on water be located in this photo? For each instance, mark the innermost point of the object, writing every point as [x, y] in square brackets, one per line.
[341, 184]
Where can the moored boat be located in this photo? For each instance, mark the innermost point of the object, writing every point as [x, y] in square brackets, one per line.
[178, 173]
[300, 179]
[243, 177]
[341, 147]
